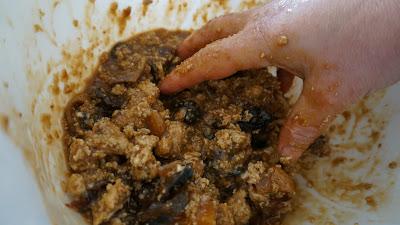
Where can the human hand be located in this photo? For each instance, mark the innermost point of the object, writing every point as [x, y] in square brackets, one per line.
[342, 49]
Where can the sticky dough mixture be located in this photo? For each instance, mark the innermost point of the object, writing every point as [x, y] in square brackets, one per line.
[204, 156]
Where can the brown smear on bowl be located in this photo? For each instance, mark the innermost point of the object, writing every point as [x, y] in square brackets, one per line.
[339, 186]
[4, 122]
[123, 18]
[393, 165]
[120, 18]
[75, 23]
[145, 6]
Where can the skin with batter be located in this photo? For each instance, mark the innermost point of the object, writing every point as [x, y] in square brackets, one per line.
[342, 49]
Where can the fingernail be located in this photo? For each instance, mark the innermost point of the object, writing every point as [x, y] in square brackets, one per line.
[163, 86]
[182, 52]
[170, 84]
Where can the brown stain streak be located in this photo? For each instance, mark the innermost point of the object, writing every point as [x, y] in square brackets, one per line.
[75, 23]
[370, 200]
[392, 165]
[45, 119]
[223, 3]
[123, 19]
[113, 9]
[338, 160]
[145, 6]
[37, 28]
[4, 122]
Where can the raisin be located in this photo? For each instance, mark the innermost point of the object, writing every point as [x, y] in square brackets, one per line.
[108, 99]
[208, 133]
[85, 120]
[155, 72]
[259, 119]
[236, 172]
[107, 102]
[84, 203]
[79, 114]
[173, 184]
[259, 140]
[146, 193]
[192, 112]
[166, 52]
[159, 213]
[161, 220]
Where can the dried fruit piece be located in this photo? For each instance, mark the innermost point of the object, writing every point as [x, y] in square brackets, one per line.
[107, 102]
[178, 180]
[155, 123]
[187, 110]
[164, 212]
[259, 119]
[174, 180]
[259, 140]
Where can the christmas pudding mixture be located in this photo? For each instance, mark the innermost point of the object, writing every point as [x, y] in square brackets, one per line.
[204, 156]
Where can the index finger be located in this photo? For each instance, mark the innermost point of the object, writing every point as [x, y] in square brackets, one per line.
[215, 29]
[218, 60]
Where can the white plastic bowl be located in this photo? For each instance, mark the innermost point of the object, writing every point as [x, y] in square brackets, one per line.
[47, 50]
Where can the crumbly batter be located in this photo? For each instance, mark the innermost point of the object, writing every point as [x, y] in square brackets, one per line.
[201, 157]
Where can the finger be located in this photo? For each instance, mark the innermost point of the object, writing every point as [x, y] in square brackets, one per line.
[215, 29]
[310, 116]
[218, 60]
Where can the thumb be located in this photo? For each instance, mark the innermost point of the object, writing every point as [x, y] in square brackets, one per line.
[311, 115]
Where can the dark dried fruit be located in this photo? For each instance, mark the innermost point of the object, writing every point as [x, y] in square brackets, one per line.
[166, 52]
[86, 121]
[208, 133]
[236, 172]
[84, 203]
[173, 184]
[123, 65]
[259, 140]
[164, 212]
[259, 119]
[107, 101]
[192, 112]
[161, 220]
[145, 194]
[156, 71]
[78, 114]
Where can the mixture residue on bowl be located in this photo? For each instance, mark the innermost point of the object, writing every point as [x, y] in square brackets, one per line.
[206, 155]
